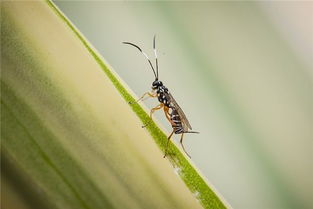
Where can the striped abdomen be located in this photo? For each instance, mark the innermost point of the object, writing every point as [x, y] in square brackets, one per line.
[176, 122]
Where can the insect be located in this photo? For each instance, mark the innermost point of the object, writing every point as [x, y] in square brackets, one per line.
[172, 110]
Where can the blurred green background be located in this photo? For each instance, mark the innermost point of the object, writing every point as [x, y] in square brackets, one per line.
[241, 71]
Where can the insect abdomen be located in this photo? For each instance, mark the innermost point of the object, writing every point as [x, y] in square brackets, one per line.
[176, 122]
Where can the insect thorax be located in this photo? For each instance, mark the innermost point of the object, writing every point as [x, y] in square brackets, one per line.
[163, 97]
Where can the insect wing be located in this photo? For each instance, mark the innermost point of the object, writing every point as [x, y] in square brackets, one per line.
[180, 112]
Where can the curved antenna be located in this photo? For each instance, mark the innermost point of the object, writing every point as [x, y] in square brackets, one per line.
[155, 75]
[156, 58]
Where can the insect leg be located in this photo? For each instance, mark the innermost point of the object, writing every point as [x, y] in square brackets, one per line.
[150, 94]
[168, 140]
[152, 111]
[167, 114]
[181, 142]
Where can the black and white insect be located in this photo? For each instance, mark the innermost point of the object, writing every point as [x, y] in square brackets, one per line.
[172, 110]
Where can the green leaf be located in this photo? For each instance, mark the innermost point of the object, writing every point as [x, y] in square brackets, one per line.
[69, 137]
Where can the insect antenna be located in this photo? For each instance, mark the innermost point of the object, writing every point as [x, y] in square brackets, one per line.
[156, 58]
[155, 75]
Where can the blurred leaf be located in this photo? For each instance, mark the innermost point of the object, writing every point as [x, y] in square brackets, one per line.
[69, 140]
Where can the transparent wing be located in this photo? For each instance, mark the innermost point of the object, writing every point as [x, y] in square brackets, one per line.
[182, 115]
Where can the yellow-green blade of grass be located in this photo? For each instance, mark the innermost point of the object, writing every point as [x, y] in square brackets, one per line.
[69, 137]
